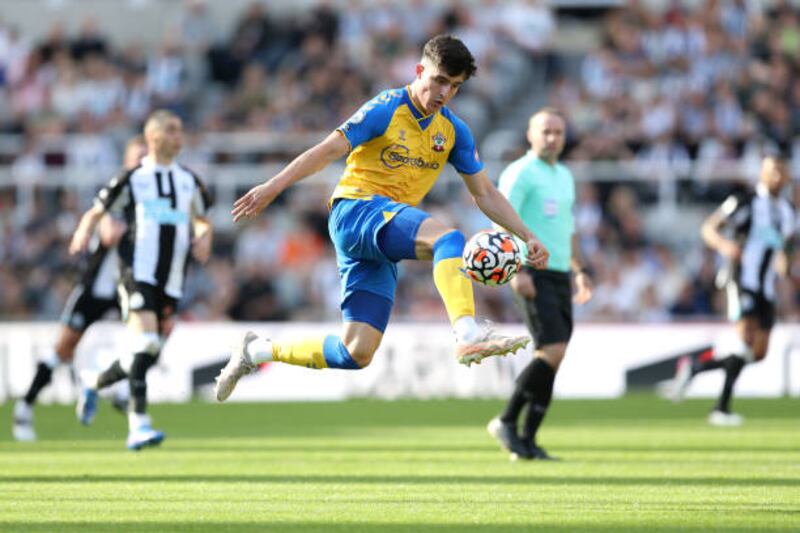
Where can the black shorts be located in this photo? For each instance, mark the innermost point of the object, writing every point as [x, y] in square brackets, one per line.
[548, 315]
[82, 309]
[140, 296]
[744, 303]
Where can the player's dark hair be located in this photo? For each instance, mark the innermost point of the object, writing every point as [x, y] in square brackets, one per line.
[451, 55]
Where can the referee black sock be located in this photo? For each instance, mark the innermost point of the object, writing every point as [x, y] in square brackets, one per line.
[111, 375]
[733, 367]
[542, 378]
[44, 374]
[138, 381]
[520, 396]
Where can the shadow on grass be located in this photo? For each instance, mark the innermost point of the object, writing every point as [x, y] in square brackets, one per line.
[533, 479]
[185, 445]
[296, 527]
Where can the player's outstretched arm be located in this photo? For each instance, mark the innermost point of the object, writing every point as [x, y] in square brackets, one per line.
[495, 206]
[583, 282]
[80, 239]
[309, 162]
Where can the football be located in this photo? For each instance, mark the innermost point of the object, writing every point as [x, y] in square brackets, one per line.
[492, 257]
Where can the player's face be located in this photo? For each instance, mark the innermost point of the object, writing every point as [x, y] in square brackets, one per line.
[434, 86]
[134, 154]
[774, 174]
[546, 133]
[168, 139]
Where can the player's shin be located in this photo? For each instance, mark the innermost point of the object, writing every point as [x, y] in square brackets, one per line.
[327, 352]
[453, 286]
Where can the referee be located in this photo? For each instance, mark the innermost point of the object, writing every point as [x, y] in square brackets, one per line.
[542, 191]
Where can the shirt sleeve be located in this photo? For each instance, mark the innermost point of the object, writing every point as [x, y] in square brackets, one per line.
[115, 195]
[735, 210]
[464, 156]
[370, 121]
[202, 199]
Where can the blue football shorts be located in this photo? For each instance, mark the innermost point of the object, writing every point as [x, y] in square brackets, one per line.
[370, 237]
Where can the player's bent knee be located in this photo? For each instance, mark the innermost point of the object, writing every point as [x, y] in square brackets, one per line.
[362, 357]
[141, 343]
[149, 343]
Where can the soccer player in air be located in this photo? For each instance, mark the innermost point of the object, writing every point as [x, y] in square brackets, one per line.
[398, 143]
[92, 298]
[165, 206]
[762, 224]
[542, 191]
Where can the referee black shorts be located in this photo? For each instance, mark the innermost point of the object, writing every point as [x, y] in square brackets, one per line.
[548, 316]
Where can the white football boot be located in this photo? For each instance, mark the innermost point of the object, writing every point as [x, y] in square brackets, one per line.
[22, 427]
[238, 365]
[489, 344]
[723, 419]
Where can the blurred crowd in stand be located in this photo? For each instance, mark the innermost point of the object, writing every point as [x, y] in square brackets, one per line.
[686, 90]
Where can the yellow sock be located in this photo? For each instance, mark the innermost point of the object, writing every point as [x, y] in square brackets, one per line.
[305, 352]
[454, 287]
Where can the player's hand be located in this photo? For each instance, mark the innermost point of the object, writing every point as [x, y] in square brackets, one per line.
[537, 254]
[730, 249]
[79, 242]
[252, 203]
[523, 285]
[583, 288]
[201, 247]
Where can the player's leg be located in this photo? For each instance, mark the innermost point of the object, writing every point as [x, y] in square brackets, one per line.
[366, 315]
[369, 277]
[445, 245]
[538, 380]
[504, 427]
[741, 310]
[80, 312]
[755, 338]
[146, 326]
[549, 319]
[62, 352]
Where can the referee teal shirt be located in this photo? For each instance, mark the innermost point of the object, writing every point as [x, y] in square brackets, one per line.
[543, 195]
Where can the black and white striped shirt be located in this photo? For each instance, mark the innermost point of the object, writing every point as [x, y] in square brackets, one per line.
[762, 225]
[159, 204]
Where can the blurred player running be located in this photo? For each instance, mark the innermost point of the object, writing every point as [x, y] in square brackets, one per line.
[92, 298]
[763, 223]
[398, 144]
[165, 206]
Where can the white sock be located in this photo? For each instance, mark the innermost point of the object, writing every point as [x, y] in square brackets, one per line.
[88, 378]
[51, 359]
[137, 421]
[259, 350]
[466, 329]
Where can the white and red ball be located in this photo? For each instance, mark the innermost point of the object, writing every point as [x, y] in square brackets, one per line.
[492, 257]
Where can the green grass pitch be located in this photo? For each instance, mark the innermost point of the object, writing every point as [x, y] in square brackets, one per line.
[637, 463]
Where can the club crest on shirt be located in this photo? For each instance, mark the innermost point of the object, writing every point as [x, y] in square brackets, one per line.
[438, 142]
